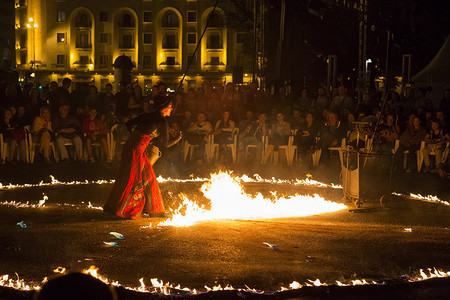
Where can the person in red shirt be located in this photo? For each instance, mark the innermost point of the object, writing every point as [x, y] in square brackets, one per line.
[95, 131]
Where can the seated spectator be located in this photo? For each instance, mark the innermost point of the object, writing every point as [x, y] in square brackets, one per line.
[42, 133]
[223, 134]
[67, 129]
[388, 132]
[13, 135]
[252, 135]
[410, 141]
[95, 131]
[280, 132]
[434, 142]
[305, 139]
[297, 119]
[331, 133]
[197, 133]
[247, 122]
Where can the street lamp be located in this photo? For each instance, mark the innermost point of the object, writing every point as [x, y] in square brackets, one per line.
[33, 25]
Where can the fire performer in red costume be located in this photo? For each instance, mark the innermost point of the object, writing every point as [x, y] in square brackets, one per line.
[136, 190]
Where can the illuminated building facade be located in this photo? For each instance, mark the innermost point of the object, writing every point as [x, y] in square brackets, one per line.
[81, 39]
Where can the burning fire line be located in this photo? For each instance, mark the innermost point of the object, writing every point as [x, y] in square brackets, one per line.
[245, 178]
[429, 198]
[158, 286]
[230, 202]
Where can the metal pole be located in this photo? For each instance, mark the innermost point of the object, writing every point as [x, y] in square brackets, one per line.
[255, 36]
[387, 63]
[281, 39]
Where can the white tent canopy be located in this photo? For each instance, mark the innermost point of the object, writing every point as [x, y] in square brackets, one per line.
[436, 74]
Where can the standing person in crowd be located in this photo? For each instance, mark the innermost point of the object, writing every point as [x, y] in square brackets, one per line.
[202, 99]
[304, 102]
[442, 118]
[67, 129]
[305, 139]
[149, 100]
[320, 103]
[230, 99]
[422, 104]
[34, 103]
[190, 101]
[223, 134]
[410, 141]
[95, 131]
[92, 99]
[138, 99]
[197, 133]
[178, 104]
[106, 97]
[281, 101]
[342, 103]
[435, 142]
[122, 99]
[77, 98]
[214, 106]
[11, 96]
[444, 104]
[42, 132]
[136, 190]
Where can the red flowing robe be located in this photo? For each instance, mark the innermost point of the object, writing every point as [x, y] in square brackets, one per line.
[135, 190]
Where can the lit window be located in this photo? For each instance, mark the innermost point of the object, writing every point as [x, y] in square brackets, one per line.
[214, 42]
[61, 37]
[60, 16]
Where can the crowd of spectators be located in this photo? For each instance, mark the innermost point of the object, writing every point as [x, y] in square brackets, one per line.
[79, 115]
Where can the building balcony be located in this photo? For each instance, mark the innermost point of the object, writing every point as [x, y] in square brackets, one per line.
[83, 46]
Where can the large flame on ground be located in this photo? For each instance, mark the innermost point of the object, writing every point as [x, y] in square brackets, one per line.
[230, 202]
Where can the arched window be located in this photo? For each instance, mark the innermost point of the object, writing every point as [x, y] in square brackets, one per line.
[170, 19]
[83, 20]
[216, 20]
[126, 20]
